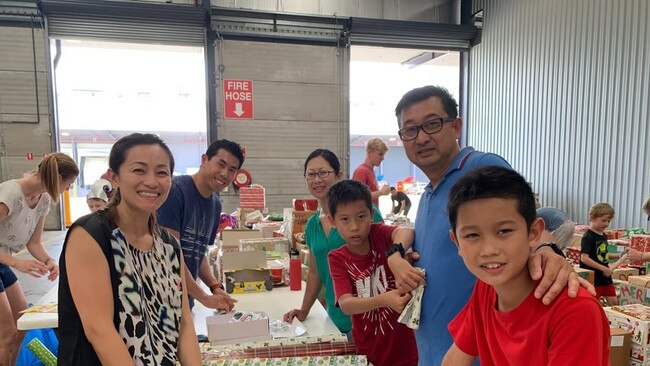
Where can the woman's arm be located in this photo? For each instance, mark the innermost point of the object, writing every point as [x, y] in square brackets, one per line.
[188, 347]
[90, 285]
[37, 250]
[314, 285]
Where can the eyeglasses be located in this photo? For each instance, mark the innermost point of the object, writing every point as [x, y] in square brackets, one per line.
[430, 127]
[320, 173]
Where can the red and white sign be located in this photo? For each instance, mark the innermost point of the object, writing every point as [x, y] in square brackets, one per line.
[238, 99]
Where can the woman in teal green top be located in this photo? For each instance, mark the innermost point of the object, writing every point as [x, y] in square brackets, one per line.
[322, 171]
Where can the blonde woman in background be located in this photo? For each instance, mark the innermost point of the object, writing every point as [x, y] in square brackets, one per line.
[24, 203]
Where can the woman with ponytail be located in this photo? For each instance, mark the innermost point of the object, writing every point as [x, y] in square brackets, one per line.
[24, 203]
[122, 299]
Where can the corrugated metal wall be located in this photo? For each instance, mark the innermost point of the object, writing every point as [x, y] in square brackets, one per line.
[560, 89]
[300, 96]
[22, 130]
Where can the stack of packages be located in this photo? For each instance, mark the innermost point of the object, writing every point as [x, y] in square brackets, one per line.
[634, 318]
[641, 243]
[325, 350]
[251, 199]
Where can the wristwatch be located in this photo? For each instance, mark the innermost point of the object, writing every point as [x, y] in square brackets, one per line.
[216, 286]
[395, 247]
[553, 246]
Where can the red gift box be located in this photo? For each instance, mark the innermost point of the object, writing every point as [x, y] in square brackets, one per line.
[573, 254]
[642, 244]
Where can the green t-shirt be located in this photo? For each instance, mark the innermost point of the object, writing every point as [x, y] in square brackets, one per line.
[320, 247]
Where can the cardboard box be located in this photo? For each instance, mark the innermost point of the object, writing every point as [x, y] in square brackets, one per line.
[634, 318]
[245, 272]
[623, 273]
[587, 274]
[268, 228]
[619, 347]
[265, 244]
[222, 331]
[640, 281]
[230, 238]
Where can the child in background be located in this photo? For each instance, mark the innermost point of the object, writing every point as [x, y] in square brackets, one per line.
[593, 251]
[97, 199]
[494, 225]
[364, 286]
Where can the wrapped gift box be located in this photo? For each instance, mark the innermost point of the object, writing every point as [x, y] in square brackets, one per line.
[640, 242]
[640, 281]
[573, 255]
[634, 318]
[587, 274]
[631, 294]
[295, 222]
[252, 197]
[230, 238]
[639, 355]
[624, 273]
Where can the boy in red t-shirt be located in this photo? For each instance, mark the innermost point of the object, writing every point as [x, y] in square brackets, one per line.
[493, 223]
[364, 286]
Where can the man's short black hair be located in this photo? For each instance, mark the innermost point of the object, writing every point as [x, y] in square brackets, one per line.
[346, 192]
[492, 182]
[423, 93]
[229, 146]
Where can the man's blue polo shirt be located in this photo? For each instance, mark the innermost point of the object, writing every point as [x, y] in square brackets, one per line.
[449, 282]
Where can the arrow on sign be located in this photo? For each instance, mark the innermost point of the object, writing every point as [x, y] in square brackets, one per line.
[238, 109]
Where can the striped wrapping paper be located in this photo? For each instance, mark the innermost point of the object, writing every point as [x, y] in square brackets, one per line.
[349, 360]
[289, 350]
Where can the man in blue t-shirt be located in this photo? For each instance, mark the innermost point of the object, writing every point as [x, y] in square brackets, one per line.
[429, 130]
[191, 213]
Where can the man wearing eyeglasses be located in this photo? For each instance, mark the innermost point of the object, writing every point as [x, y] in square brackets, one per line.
[429, 128]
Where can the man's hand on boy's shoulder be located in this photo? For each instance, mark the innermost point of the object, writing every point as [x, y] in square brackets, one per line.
[556, 274]
[407, 278]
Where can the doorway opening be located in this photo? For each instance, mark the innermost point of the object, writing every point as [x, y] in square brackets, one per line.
[379, 76]
[106, 90]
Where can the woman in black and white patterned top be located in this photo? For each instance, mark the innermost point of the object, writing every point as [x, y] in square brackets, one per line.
[121, 294]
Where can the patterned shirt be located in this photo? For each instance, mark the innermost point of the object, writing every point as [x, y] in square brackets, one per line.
[17, 228]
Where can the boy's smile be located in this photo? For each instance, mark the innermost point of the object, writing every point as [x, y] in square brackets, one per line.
[494, 242]
[353, 220]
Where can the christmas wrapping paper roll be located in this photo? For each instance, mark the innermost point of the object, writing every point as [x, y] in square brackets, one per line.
[410, 316]
[41, 352]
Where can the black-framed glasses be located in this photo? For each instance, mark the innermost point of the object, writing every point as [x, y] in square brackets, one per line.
[321, 173]
[430, 127]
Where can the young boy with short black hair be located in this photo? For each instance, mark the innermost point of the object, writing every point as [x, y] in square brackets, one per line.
[593, 251]
[364, 286]
[494, 224]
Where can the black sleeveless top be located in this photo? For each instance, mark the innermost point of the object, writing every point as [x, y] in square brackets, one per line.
[147, 292]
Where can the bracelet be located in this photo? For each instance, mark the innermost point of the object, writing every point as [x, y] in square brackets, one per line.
[553, 246]
[215, 286]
